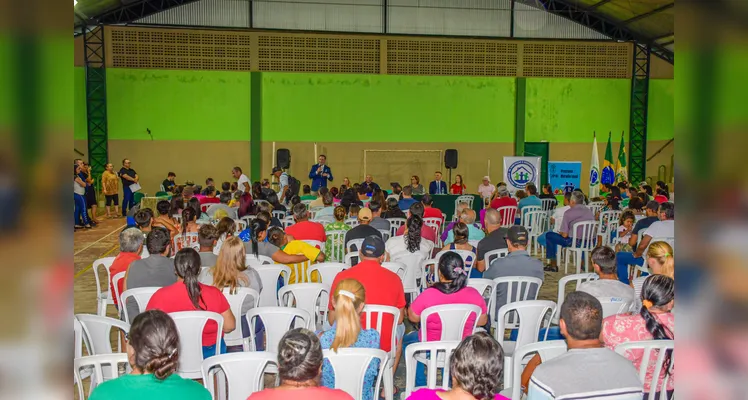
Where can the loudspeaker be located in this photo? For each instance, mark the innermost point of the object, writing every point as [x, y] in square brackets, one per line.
[283, 158]
[450, 159]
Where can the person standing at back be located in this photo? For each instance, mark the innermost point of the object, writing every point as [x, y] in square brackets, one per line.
[437, 186]
[320, 174]
[129, 177]
[110, 188]
[242, 182]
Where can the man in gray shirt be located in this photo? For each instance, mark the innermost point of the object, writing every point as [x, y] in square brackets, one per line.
[377, 222]
[587, 369]
[207, 236]
[156, 270]
[577, 213]
[224, 198]
[517, 263]
[604, 261]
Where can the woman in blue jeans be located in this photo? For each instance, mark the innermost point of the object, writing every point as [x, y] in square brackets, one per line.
[79, 191]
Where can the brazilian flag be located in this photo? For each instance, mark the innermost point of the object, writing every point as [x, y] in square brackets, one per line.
[609, 174]
[622, 173]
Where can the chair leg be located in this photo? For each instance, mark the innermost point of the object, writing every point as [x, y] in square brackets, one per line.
[101, 308]
[508, 371]
[389, 381]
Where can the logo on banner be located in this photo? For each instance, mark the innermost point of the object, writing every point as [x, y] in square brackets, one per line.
[520, 173]
[594, 176]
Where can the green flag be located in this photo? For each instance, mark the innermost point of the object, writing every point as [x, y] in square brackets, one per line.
[609, 175]
[622, 172]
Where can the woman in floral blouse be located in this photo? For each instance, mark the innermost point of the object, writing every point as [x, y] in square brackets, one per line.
[339, 225]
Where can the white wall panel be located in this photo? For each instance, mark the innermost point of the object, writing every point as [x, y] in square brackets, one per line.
[319, 15]
[450, 17]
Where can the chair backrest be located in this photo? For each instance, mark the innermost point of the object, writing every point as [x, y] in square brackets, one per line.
[396, 267]
[190, 325]
[584, 235]
[352, 222]
[373, 320]
[466, 199]
[354, 245]
[141, 296]
[260, 260]
[236, 301]
[259, 201]
[577, 279]
[277, 321]
[507, 213]
[115, 284]
[518, 288]
[548, 204]
[435, 223]
[468, 257]
[610, 228]
[610, 215]
[385, 234]
[528, 209]
[547, 350]
[350, 365]
[105, 262]
[337, 245]
[615, 305]
[97, 363]
[177, 217]
[327, 271]
[654, 353]
[351, 258]
[494, 254]
[454, 319]
[311, 297]
[287, 221]
[181, 241]
[280, 214]
[413, 270]
[595, 206]
[395, 224]
[438, 351]
[486, 287]
[533, 315]
[534, 221]
[240, 224]
[97, 333]
[323, 219]
[269, 275]
[244, 372]
[315, 243]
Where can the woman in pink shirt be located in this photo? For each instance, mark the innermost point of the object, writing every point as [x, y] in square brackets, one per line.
[654, 321]
[475, 367]
[451, 289]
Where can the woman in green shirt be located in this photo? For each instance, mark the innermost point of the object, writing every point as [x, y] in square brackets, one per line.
[153, 352]
[339, 225]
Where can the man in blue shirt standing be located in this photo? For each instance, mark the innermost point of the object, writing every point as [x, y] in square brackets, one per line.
[320, 174]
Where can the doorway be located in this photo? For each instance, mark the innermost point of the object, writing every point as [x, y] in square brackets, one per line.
[539, 149]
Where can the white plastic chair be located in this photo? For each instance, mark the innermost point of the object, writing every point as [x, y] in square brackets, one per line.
[354, 245]
[327, 271]
[524, 220]
[615, 305]
[454, 319]
[486, 287]
[269, 275]
[241, 224]
[337, 245]
[659, 348]
[436, 224]
[370, 312]
[611, 226]
[385, 234]
[181, 241]
[280, 214]
[115, 284]
[93, 367]
[581, 245]
[349, 366]
[468, 257]
[287, 221]
[310, 297]
[351, 259]
[532, 316]
[260, 260]
[177, 217]
[97, 332]
[436, 355]
[78, 346]
[577, 279]
[395, 224]
[465, 199]
[247, 219]
[141, 296]
[323, 219]
[603, 223]
[236, 302]
[507, 214]
[547, 350]
[396, 267]
[413, 278]
[352, 222]
[536, 223]
[242, 372]
[190, 325]
[103, 298]
[277, 321]
[315, 243]
[549, 205]
[595, 206]
[518, 288]
[494, 254]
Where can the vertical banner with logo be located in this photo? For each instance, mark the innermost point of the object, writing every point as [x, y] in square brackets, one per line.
[564, 176]
[519, 171]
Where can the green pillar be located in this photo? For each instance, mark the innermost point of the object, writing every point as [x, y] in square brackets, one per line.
[255, 129]
[519, 116]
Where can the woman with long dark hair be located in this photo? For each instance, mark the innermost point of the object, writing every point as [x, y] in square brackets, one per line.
[199, 214]
[393, 209]
[153, 354]
[459, 186]
[257, 191]
[177, 205]
[272, 198]
[655, 321]
[189, 218]
[411, 241]
[451, 288]
[188, 294]
[460, 234]
[350, 198]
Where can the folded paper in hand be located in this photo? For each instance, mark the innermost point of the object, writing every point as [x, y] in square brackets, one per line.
[134, 187]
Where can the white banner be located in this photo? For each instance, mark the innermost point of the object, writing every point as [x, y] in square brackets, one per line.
[519, 171]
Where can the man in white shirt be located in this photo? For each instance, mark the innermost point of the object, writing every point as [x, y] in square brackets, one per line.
[242, 183]
[486, 189]
[664, 228]
[558, 216]
[282, 183]
[604, 262]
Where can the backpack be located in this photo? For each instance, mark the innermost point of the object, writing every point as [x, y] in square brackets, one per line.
[293, 187]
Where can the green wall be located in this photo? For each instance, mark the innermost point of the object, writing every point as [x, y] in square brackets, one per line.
[569, 110]
[382, 108]
[79, 101]
[660, 117]
[178, 105]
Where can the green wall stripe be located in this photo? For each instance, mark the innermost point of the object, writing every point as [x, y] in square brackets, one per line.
[519, 117]
[255, 135]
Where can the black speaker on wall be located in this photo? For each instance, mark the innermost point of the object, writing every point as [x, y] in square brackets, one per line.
[283, 158]
[450, 159]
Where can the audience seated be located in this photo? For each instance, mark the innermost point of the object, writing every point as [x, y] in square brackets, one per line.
[153, 354]
[459, 236]
[318, 201]
[548, 194]
[467, 217]
[349, 299]
[226, 228]
[517, 263]
[503, 198]
[306, 193]
[164, 219]
[393, 209]
[588, 369]
[604, 263]
[339, 225]
[210, 196]
[494, 240]
[664, 228]
[556, 218]
[577, 213]
[475, 367]
[427, 232]
[327, 204]
[661, 260]
[299, 367]
[407, 199]
[188, 294]
[532, 198]
[410, 242]
[130, 247]
[156, 270]
[295, 247]
[458, 212]
[189, 221]
[304, 229]
[654, 321]
[207, 236]
[429, 211]
[377, 222]
[259, 246]
[363, 229]
[224, 198]
[231, 269]
[652, 216]
[143, 220]
[451, 288]
[486, 189]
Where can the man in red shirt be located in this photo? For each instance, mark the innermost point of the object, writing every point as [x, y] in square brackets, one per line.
[209, 196]
[304, 229]
[383, 287]
[130, 246]
[503, 199]
[427, 232]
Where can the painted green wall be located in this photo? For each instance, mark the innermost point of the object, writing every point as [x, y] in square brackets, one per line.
[660, 117]
[79, 101]
[178, 105]
[382, 108]
[569, 110]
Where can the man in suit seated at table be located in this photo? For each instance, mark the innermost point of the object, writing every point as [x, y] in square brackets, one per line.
[437, 186]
